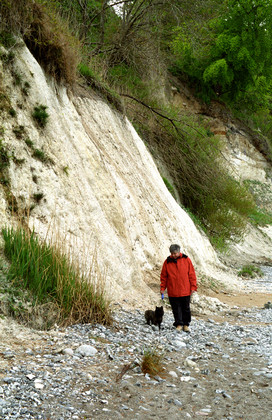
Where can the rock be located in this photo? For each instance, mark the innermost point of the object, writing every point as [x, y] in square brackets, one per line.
[68, 351]
[179, 344]
[86, 351]
[173, 374]
[178, 403]
[44, 382]
[190, 363]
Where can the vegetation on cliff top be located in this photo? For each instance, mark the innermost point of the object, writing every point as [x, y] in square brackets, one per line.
[221, 49]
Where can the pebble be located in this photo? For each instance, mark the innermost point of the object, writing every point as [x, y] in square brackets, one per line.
[76, 372]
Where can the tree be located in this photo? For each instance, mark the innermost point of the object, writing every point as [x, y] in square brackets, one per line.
[241, 53]
[233, 49]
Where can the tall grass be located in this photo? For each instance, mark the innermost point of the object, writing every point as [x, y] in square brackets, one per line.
[152, 362]
[50, 274]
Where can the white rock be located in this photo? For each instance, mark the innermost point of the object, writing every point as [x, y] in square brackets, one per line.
[38, 384]
[179, 344]
[68, 351]
[185, 378]
[190, 363]
[86, 350]
[173, 374]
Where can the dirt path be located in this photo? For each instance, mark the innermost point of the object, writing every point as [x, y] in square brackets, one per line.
[243, 300]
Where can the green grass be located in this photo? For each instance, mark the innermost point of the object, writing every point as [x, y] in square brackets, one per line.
[29, 143]
[261, 218]
[49, 274]
[250, 271]
[19, 131]
[4, 156]
[41, 155]
[40, 115]
[169, 187]
[7, 39]
[12, 112]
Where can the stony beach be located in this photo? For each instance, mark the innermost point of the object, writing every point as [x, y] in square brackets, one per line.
[221, 370]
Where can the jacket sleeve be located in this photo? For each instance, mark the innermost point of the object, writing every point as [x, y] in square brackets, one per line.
[164, 276]
[192, 276]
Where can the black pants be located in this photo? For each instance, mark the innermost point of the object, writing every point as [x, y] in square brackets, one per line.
[181, 310]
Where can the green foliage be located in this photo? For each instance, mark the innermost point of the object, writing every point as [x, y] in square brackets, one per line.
[29, 143]
[47, 272]
[250, 271]
[128, 79]
[19, 131]
[66, 170]
[17, 77]
[12, 112]
[231, 54]
[261, 217]
[41, 155]
[25, 88]
[40, 115]
[38, 196]
[87, 72]
[7, 39]
[169, 187]
[94, 81]
[4, 156]
[221, 205]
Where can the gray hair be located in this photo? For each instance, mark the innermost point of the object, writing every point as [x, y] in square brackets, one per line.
[174, 248]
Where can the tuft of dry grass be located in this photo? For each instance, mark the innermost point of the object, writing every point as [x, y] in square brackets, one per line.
[152, 362]
[45, 34]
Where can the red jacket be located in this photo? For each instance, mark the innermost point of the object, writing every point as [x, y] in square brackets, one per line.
[178, 276]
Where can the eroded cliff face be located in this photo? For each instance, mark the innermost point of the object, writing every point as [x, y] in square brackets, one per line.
[99, 189]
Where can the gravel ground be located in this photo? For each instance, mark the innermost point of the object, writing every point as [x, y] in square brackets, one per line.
[221, 370]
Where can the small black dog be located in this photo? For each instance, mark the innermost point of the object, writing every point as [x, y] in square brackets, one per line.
[154, 317]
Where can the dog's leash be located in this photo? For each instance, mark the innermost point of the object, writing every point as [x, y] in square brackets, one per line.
[163, 301]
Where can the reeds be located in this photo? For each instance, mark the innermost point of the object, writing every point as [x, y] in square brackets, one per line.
[51, 274]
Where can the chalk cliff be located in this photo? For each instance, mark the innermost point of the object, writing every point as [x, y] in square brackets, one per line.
[99, 187]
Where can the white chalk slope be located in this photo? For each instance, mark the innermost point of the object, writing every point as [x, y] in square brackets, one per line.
[103, 190]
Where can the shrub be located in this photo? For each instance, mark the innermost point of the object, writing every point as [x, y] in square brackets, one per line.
[29, 143]
[40, 115]
[7, 39]
[250, 271]
[45, 34]
[152, 362]
[19, 131]
[94, 81]
[12, 112]
[42, 156]
[193, 159]
[4, 156]
[38, 196]
[49, 273]
[261, 218]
